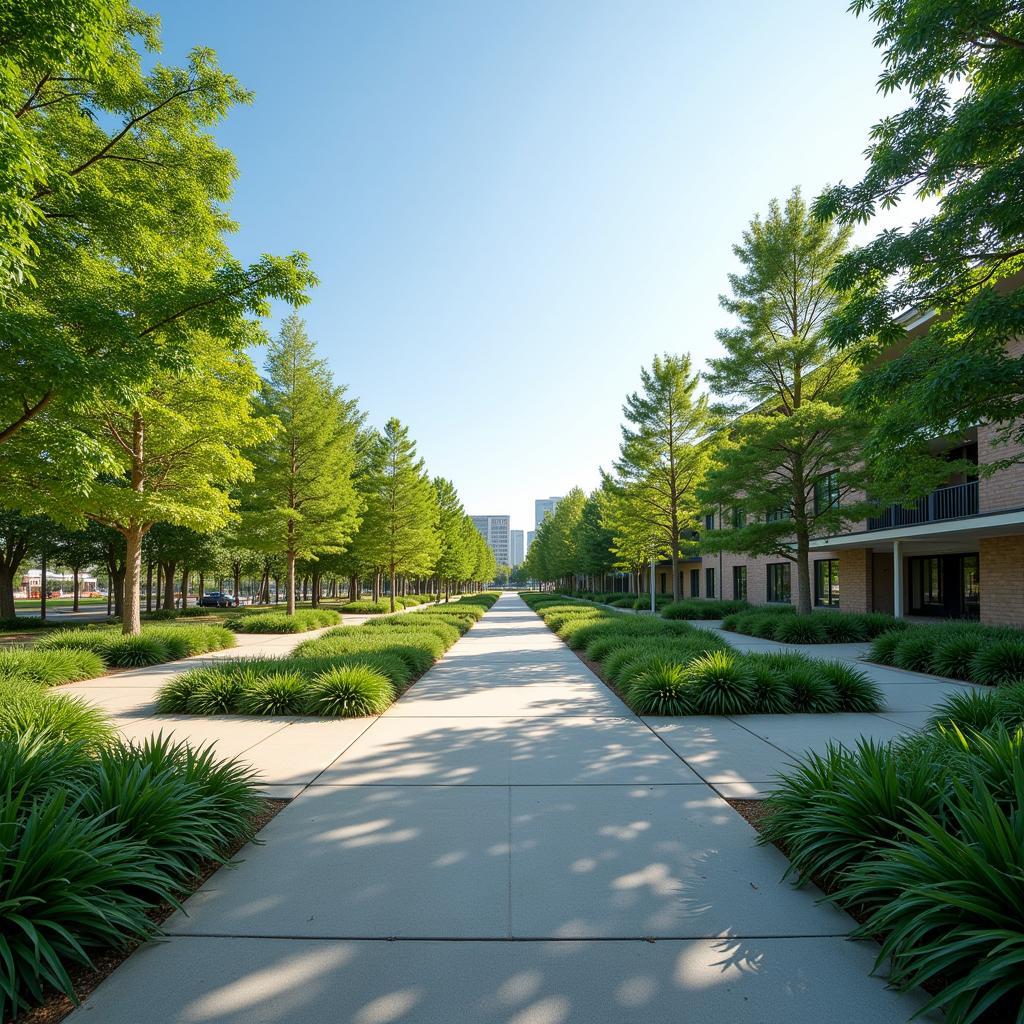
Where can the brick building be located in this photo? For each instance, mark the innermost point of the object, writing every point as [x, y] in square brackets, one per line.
[955, 553]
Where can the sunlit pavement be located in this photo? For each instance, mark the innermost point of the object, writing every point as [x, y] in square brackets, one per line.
[509, 843]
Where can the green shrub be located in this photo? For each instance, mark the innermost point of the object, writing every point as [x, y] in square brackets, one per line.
[126, 651]
[914, 650]
[840, 628]
[49, 667]
[351, 691]
[697, 608]
[19, 622]
[831, 811]
[981, 709]
[662, 689]
[762, 626]
[96, 640]
[283, 693]
[302, 621]
[30, 711]
[721, 684]
[954, 654]
[810, 692]
[999, 663]
[800, 629]
[365, 607]
[769, 689]
[855, 691]
[213, 693]
[883, 647]
[952, 915]
[69, 884]
[174, 695]
[876, 623]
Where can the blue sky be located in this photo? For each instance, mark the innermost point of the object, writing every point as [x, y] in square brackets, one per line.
[512, 206]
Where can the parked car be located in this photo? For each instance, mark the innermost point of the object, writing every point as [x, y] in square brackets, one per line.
[216, 600]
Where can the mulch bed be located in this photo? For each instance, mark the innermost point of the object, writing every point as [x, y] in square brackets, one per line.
[85, 979]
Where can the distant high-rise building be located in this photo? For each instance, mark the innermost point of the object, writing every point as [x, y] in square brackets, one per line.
[541, 507]
[518, 552]
[529, 540]
[494, 530]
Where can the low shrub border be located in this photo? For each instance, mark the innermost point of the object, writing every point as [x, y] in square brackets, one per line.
[920, 839]
[666, 667]
[102, 838]
[970, 651]
[350, 671]
[50, 667]
[784, 624]
[303, 620]
[155, 644]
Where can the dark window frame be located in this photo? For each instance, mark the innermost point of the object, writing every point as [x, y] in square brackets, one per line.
[780, 583]
[709, 581]
[695, 583]
[826, 582]
[739, 582]
[826, 487]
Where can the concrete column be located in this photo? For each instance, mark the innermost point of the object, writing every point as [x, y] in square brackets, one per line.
[897, 580]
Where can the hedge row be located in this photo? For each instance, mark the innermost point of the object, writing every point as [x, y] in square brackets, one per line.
[155, 644]
[96, 834]
[669, 668]
[989, 655]
[782, 623]
[383, 605]
[924, 839]
[303, 620]
[347, 672]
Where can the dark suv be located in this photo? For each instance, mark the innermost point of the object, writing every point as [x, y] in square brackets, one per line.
[216, 600]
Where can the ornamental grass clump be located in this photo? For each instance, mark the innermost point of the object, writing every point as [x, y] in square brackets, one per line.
[800, 629]
[350, 691]
[721, 684]
[30, 711]
[914, 650]
[283, 693]
[999, 663]
[883, 647]
[854, 690]
[214, 693]
[663, 688]
[301, 621]
[49, 667]
[954, 654]
[769, 689]
[811, 692]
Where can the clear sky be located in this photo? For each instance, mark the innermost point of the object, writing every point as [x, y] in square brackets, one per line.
[513, 205]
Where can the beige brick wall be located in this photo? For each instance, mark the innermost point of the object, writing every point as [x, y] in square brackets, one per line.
[1005, 489]
[1002, 580]
[855, 580]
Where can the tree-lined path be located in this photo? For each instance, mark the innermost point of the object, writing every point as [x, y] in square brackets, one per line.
[509, 843]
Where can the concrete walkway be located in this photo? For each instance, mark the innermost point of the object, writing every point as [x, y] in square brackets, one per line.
[509, 843]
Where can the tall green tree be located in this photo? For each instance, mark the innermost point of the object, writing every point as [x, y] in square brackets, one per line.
[661, 458]
[118, 203]
[786, 465]
[19, 535]
[401, 512]
[302, 501]
[178, 448]
[453, 563]
[957, 144]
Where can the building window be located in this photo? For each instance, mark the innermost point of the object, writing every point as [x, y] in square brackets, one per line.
[739, 582]
[778, 582]
[695, 583]
[739, 517]
[826, 582]
[778, 515]
[709, 521]
[709, 582]
[826, 492]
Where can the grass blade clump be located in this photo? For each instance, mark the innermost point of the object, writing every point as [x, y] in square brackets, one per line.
[351, 691]
[662, 689]
[721, 684]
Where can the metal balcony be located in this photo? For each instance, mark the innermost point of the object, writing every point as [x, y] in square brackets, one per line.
[953, 502]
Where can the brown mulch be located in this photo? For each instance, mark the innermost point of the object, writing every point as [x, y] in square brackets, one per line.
[85, 979]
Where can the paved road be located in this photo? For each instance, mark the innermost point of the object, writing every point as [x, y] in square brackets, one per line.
[509, 843]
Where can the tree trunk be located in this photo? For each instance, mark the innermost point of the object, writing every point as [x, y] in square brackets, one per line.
[159, 586]
[8, 609]
[184, 586]
[110, 594]
[74, 597]
[315, 596]
[202, 582]
[375, 587]
[237, 570]
[149, 585]
[353, 582]
[392, 589]
[277, 589]
[291, 583]
[803, 572]
[676, 586]
[42, 586]
[169, 568]
[131, 619]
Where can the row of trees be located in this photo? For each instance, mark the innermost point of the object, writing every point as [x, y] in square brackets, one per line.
[128, 399]
[821, 406]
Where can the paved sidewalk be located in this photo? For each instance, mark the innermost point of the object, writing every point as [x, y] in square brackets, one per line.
[509, 843]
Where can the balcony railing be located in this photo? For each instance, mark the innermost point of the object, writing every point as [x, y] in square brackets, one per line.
[943, 503]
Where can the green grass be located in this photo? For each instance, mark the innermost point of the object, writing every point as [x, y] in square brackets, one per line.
[157, 643]
[49, 667]
[784, 624]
